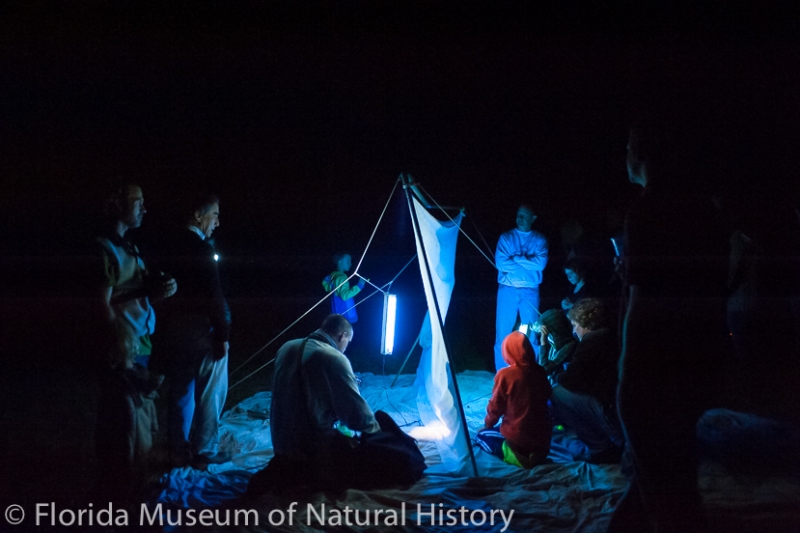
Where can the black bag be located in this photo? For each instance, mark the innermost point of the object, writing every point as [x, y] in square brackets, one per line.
[388, 458]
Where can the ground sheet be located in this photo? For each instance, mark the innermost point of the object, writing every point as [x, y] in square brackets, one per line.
[749, 477]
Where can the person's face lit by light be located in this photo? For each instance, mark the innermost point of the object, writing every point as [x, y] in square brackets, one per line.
[572, 276]
[133, 207]
[525, 218]
[346, 263]
[209, 221]
[578, 330]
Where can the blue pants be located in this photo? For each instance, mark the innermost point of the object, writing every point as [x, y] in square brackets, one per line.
[491, 441]
[510, 301]
[597, 429]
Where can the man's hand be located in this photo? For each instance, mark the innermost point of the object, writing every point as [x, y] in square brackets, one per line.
[220, 350]
[160, 286]
[566, 304]
[170, 287]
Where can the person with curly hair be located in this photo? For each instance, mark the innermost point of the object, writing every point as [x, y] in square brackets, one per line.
[584, 398]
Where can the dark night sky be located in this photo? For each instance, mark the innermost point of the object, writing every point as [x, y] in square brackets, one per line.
[301, 115]
[302, 118]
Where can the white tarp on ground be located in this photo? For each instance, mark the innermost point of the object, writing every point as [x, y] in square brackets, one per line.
[749, 479]
[436, 398]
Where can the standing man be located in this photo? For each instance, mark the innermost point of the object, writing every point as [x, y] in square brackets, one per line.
[675, 278]
[125, 412]
[520, 258]
[127, 290]
[193, 341]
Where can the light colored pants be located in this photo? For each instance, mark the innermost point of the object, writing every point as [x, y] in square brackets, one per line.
[510, 301]
[196, 403]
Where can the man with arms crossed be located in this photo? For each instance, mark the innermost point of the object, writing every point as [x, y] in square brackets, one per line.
[520, 258]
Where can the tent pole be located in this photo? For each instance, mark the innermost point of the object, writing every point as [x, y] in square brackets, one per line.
[406, 361]
[415, 220]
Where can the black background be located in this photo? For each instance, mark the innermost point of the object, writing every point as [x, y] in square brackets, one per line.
[302, 117]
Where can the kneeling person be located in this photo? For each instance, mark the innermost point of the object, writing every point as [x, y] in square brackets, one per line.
[317, 414]
[520, 396]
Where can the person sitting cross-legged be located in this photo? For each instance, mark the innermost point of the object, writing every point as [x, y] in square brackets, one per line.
[520, 396]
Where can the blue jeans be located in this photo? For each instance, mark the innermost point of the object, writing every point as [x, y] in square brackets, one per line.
[510, 301]
[596, 427]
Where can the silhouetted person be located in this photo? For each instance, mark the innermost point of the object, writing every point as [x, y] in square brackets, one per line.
[762, 304]
[674, 334]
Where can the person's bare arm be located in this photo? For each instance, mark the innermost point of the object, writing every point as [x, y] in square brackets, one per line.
[105, 304]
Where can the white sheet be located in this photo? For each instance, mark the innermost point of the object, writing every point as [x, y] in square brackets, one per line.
[564, 496]
[436, 400]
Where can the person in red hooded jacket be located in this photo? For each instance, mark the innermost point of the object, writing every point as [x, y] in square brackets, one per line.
[520, 396]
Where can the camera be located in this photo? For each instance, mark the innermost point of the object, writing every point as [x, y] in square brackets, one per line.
[154, 280]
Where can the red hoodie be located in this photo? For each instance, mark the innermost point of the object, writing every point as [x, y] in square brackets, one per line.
[520, 395]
